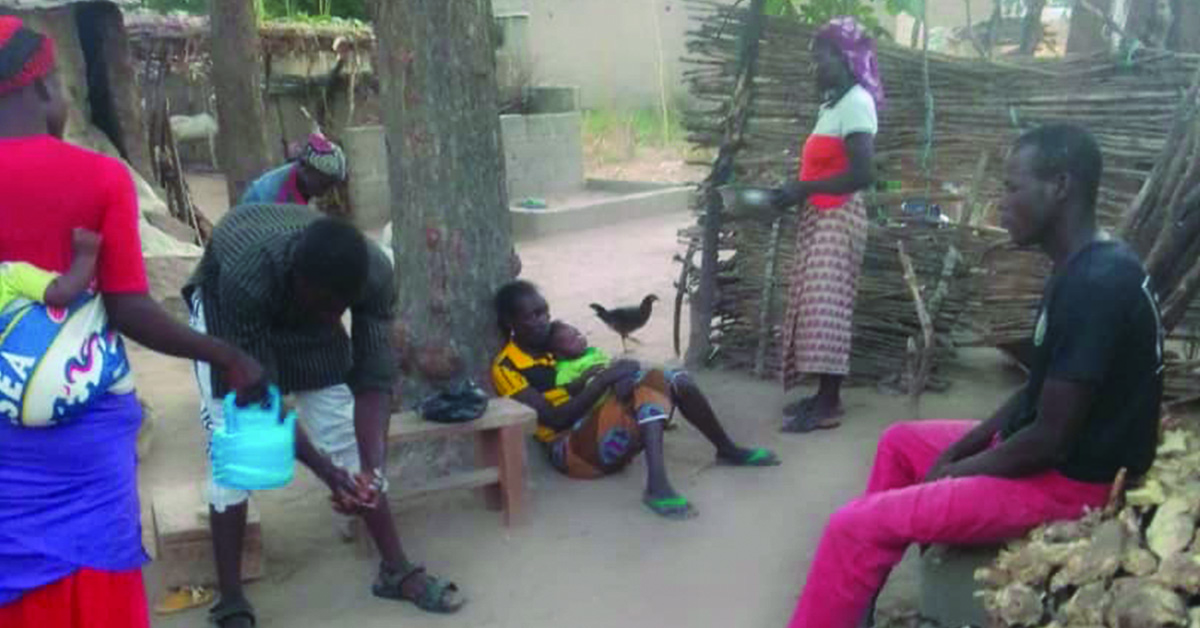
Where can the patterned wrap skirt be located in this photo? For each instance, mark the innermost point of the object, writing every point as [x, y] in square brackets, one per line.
[610, 436]
[830, 244]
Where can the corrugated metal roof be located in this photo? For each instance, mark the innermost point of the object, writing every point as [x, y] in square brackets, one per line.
[27, 5]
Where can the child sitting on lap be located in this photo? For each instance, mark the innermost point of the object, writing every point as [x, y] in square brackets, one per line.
[575, 361]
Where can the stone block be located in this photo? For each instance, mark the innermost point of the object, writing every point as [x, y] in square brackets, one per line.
[948, 583]
[543, 154]
[552, 99]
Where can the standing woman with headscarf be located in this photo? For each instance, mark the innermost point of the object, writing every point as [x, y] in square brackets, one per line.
[70, 532]
[320, 166]
[834, 168]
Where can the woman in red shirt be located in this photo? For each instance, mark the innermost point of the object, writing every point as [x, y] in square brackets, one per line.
[834, 167]
[70, 537]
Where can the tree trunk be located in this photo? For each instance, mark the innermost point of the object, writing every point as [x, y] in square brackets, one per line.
[1185, 28]
[451, 227]
[1086, 34]
[1031, 29]
[993, 28]
[1150, 21]
[237, 81]
[704, 302]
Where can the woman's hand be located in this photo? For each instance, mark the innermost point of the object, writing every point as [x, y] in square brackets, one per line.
[617, 371]
[623, 389]
[576, 387]
[789, 194]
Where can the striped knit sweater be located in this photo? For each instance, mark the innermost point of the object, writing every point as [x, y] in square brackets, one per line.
[247, 297]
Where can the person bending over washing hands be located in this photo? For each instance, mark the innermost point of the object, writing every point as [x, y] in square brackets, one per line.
[276, 281]
[591, 434]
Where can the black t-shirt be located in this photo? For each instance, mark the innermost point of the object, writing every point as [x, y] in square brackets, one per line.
[1099, 325]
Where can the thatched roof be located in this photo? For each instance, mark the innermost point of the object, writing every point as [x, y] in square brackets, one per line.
[31, 5]
[146, 25]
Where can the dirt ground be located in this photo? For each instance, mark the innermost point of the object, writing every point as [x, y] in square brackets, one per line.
[591, 555]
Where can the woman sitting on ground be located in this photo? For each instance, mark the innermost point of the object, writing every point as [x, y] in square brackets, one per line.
[592, 433]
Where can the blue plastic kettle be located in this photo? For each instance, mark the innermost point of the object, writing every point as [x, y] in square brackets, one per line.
[255, 449]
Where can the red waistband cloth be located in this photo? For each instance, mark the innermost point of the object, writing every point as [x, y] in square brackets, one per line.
[87, 598]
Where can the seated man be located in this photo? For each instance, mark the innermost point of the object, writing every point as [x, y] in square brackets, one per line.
[591, 434]
[1090, 407]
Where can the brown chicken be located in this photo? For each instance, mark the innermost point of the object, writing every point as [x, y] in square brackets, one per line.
[626, 320]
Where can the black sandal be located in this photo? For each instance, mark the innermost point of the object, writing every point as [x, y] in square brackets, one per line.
[438, 596]
[223, 614]
[807, 420]
[796, 407]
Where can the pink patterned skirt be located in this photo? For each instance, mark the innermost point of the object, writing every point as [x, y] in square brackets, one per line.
[830, 245]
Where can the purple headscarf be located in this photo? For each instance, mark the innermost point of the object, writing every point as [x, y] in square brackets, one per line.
[858, 47]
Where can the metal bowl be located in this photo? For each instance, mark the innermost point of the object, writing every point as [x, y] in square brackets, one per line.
[744, 199]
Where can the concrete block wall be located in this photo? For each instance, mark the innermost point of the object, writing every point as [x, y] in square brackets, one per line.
[543, 154]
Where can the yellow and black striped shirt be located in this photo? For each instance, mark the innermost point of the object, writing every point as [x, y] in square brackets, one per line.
[513, 370]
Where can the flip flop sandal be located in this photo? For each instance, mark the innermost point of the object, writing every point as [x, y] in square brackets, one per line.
[759, 457]
[224, 613]
[184, 598]
[438, 596]
[676, 508]
[807, 421]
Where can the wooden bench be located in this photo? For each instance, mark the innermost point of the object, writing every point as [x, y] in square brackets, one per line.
[183, 542]
[499, 448]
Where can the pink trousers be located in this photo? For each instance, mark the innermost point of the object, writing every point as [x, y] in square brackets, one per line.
[868, 536]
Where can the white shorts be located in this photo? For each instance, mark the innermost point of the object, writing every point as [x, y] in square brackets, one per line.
[327, 416]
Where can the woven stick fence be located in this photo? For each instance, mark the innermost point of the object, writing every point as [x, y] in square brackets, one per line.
[952, 154]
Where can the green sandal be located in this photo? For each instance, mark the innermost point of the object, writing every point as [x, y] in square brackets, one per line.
[438, 596]
[757, 457]
[676, 508]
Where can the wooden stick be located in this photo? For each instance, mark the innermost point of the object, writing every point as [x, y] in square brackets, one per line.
[699, 348]
[1116, 494]
[764, 301]
[917, 385]
[977, 182]
[681, 289]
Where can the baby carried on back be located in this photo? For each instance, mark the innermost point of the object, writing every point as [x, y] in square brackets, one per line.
[57, 347]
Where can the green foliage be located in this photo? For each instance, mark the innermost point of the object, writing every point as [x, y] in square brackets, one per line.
[818, 12]
[194, 7]
[643, 126]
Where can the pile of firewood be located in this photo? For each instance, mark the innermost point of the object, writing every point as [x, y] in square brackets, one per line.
[1135, 564]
